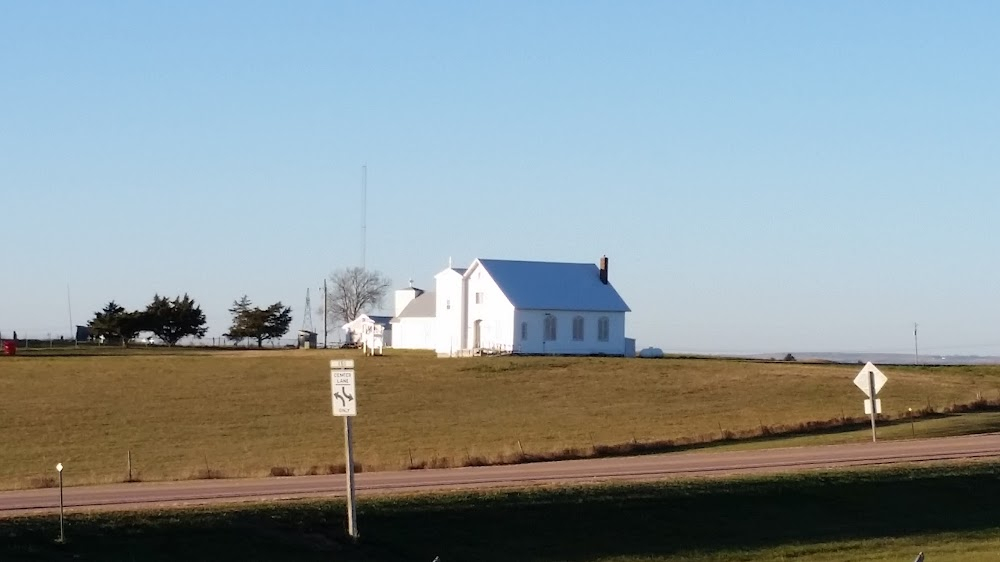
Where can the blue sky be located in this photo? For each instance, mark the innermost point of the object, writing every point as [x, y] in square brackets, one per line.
[764, 176]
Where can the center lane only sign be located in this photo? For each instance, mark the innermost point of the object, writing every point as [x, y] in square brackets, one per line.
[345, 401]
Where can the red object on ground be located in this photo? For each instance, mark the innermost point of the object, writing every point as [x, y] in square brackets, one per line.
[9, 347]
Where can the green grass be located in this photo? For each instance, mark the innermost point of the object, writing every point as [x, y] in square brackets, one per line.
[948, 512]
[244, 413]
[942, 425]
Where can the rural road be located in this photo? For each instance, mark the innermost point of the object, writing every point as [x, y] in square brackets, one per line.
[651, 467]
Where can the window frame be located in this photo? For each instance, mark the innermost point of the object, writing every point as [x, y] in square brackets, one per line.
[578, 328]
[603, 329]
[550, 331]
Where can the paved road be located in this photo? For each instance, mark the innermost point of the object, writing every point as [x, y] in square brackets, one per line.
[652, 467]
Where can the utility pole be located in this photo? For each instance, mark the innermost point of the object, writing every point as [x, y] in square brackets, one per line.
[325, 297]
[916, 354]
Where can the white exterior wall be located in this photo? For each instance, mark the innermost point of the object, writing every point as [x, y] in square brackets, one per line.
[449, 315]
[495, 313]
[414, 333]
[564, 343]
[403, 298]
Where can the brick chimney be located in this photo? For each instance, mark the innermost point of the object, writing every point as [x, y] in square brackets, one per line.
[604, 269]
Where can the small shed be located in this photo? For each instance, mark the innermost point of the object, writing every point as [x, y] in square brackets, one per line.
[365, 326]
[307, 339]
[83, 333]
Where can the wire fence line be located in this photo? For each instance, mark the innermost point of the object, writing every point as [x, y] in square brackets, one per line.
[985, 352]
[34, 340]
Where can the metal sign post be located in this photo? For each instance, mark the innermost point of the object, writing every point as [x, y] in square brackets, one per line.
[871, 392]
[352, 508]
[345, 405]
[870, 380]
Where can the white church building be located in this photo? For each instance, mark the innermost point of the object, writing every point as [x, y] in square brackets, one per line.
[513, 306]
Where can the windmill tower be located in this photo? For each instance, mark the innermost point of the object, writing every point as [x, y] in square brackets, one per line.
[307, 320]
[307, 335]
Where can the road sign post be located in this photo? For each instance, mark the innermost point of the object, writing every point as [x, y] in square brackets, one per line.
[870, 380]
[871, 392]
[352, 508]
[345, 405]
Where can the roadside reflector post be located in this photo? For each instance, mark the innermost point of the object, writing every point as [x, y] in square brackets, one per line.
[345, 405]
[62, 534]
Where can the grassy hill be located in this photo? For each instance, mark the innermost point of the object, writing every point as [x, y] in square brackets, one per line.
[196, 413]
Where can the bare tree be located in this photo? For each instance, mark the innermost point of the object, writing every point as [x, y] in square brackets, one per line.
[354, 291]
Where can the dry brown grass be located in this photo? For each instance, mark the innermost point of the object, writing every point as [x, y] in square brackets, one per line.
[241, 413]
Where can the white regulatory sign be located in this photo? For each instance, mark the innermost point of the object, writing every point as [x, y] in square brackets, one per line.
[345, 399]
[861, 381]
[868, 406]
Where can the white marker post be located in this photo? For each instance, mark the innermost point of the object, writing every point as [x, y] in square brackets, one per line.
[870, 380]
[62, 534]
[345, 405]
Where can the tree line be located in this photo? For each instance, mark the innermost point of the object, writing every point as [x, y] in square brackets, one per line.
[353, 291]
[174, 319]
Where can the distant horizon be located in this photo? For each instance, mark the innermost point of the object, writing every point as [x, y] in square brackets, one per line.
[335, 335]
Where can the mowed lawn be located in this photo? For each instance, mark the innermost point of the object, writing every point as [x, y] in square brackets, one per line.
[244, 413]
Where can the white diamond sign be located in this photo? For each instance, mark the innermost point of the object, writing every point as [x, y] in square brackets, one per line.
[861, 381]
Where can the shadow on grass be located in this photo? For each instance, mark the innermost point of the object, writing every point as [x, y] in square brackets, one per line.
[570, 524]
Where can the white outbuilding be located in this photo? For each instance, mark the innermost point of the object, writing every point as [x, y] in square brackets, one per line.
[414, 323]
[364, 329]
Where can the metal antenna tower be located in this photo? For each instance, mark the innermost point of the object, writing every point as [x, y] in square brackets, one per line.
[69, 309]
[364, 213]
[307, 321]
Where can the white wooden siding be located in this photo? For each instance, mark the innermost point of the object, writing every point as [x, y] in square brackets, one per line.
[414, 333]
[448, 312]
[487, 305]
[564, 343]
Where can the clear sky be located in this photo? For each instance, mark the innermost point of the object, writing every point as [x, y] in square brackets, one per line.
[764, 176]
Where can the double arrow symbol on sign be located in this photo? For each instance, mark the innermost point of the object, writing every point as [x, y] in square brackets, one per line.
[343, 403]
